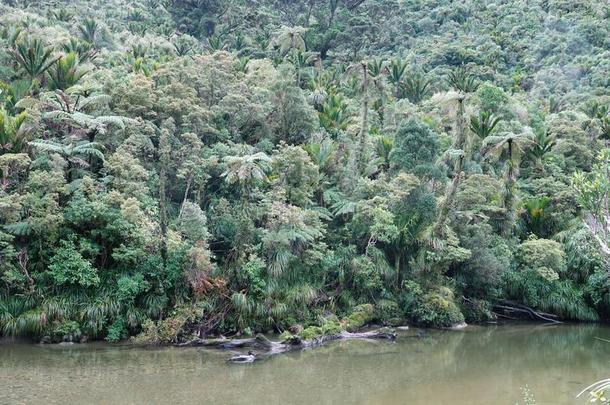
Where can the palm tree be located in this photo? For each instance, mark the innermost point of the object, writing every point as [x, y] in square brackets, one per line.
[65, 72]
[600, 113]
[461, 80]
[542, 144]
[537, 213]
[396, 72]
[334, 116]
[12, 34]
[484, 124]
[13, 132]
[510, 146]
[415, 87]
[383, 147]
[376, 70]
[10, 94]
[89, 30]
[74, 153]
[594, 109]
[62, 14]
[32, 56]
[321, 153]
[457, 155]
[242, 64]
[84, 50]
[301, 60]
[138, 51]
[182, 46]
[215, 43]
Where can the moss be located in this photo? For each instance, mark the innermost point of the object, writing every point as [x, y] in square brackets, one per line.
[286, 335]
[361, 316]
[311, 332]
[331, 328]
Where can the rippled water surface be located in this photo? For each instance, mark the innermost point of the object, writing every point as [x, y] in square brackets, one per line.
[479, 365]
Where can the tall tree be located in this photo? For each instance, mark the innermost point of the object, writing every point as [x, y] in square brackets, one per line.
[511, 147]
[164, 162]
[33, 57]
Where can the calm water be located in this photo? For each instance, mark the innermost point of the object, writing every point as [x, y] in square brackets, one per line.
[479, 365]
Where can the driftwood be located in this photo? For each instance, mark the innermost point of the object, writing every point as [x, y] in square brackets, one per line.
[266, 348]
[509, 309]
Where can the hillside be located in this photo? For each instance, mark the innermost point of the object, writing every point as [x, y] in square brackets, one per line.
[209, 166]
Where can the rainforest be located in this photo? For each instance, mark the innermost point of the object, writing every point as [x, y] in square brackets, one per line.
[172, 170]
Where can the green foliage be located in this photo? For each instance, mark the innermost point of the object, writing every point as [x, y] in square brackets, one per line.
[361, 315]
[88, 30]
[536, 253]
[333, 114]
[415, 87]
[491, 98]
[14, 131]
[437, 309]
[594, 193]
[462, 80]
[484, 124]
[541, 289]
[210, 167]
[415, 149]
[117, 331]
[68, 267]
[32, 57]
[66, 72]
[66, 331]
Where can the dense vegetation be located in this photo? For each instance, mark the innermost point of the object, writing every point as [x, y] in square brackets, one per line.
[234, 165]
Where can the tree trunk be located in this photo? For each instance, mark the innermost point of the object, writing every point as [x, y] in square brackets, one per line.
[397, 267]
[189, 181]
[364, 119]
[164, 154]
[459, 144]
[460, 128]
[509, 197]
[449, 197]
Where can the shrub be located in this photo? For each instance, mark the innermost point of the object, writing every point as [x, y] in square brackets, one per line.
[477, 310]
[536, 253]
[541, 290]
[437, 309]
[117, 330]
[68, 266]
[66, 331]
[388, 312]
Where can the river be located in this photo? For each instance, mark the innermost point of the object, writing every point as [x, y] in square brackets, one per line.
[478, 365]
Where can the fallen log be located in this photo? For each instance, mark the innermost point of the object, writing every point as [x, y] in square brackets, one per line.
[267, 348]
[516, 308]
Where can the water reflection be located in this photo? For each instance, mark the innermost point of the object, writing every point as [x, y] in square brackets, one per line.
[479, 365]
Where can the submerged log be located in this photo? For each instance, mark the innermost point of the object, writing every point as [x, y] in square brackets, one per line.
[267, 348]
